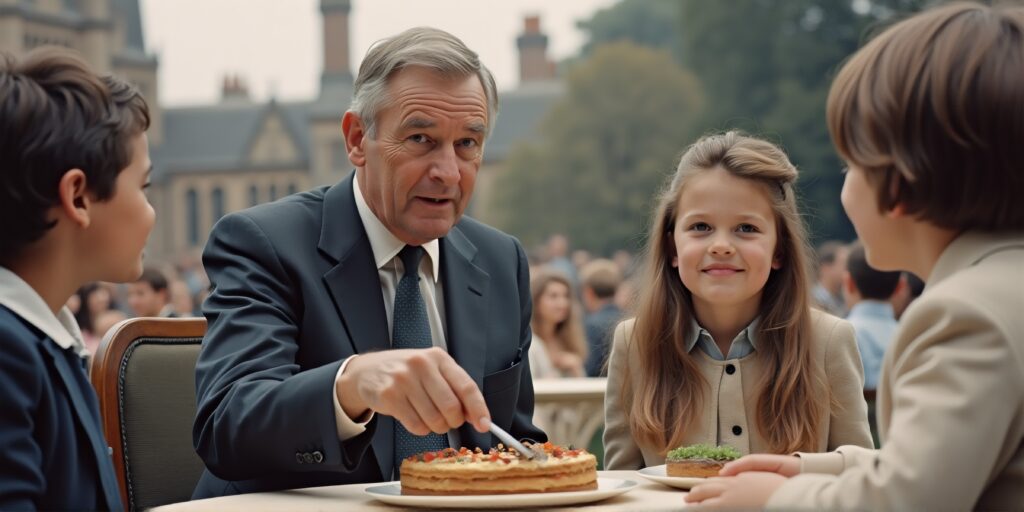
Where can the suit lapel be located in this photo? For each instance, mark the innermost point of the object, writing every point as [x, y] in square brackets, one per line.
[354, 286]
[84, 403]
[466, 289]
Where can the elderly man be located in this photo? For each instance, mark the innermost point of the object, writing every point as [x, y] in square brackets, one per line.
[354, 325]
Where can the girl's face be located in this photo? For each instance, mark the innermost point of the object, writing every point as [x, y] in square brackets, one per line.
[554, 303]
[724, 238]
[98, 301]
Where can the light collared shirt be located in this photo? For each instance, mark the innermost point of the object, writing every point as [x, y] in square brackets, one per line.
[874, 324]
[385, 247]
[24, 301]
[742, 345]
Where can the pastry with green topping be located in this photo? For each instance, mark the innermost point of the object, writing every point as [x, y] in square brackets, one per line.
[699, 460]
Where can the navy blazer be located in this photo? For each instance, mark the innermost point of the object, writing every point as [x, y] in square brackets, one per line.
[53, 455]
[295, 292]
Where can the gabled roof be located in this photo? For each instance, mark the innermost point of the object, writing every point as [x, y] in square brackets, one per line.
[217, 137]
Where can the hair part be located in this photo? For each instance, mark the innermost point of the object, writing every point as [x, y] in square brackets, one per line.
[422, 47]
[932, 111]
[57, 115]
[671, 391]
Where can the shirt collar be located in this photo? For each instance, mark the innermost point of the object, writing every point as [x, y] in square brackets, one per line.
[696, 331]
[384, 244]
[24, 301]
[873, 309]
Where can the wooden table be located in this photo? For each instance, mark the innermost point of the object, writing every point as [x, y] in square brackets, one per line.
[646, 495]
[585, 396]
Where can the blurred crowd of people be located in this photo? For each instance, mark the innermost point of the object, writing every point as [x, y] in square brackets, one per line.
[169, 291]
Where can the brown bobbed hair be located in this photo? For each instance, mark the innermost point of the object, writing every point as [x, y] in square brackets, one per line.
[932, 111]
[792, 399]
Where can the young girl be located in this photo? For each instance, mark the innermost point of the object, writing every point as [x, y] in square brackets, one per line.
[559, 347]
[929, 117]
[725, 348]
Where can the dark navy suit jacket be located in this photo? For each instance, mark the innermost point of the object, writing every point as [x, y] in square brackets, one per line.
[53, 455]
[295, 292]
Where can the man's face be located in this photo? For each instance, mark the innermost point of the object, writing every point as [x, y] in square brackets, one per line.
[417, 173]
[144, 300]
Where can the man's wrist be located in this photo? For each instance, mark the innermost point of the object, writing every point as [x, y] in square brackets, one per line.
[348, 397]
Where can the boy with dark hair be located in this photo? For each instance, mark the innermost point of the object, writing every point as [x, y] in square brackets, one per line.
[74, 163]
[150, 296]
[929, 117]
[868, 292]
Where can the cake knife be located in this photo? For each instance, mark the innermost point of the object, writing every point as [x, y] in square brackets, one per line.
[506, 438]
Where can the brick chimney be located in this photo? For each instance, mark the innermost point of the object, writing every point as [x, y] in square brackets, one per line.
[234, 90]
[337, 70]
[534, 65]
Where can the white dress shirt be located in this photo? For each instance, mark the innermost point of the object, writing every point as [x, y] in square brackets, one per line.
[390, 269]
[25, 302]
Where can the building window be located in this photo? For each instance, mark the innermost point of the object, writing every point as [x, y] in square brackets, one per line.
[254, 195]
[339, 156]
[192, 210]
[273, 192]
[217, 200]
[291, 189]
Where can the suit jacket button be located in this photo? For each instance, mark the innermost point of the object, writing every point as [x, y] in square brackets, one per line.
[737, 430]
[299, 458]
[307, 457]
[318, 457]
[730, 369]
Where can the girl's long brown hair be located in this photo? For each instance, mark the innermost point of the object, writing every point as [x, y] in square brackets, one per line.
[670, 389]
[569, 332]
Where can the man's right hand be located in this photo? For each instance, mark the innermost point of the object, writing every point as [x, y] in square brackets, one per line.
[424, 389]
[785, 465]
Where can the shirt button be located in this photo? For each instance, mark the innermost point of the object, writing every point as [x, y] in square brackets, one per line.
[298, 458]
[730, 369]
[318, 457]
[737, 430]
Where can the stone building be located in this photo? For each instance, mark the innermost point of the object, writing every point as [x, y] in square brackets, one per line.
[213, 159]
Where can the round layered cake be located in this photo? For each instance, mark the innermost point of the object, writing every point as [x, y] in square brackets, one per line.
[500, 470]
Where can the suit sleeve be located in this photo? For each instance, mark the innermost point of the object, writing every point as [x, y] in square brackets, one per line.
[255, 410]
[522, 422]
[22, 482]
[848, 420]
[620, 449]
[951, 382]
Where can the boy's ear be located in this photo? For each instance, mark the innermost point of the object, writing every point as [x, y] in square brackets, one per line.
[897, 211]
[73, 196]
[354, 130]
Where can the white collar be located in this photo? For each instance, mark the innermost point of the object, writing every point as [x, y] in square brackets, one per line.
[24, 301]
[384, 244]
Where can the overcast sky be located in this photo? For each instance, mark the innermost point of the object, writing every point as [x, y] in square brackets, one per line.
[276, 45]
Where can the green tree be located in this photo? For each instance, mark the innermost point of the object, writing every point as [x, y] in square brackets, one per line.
[608, 145]
[767, 66]
[652, 23]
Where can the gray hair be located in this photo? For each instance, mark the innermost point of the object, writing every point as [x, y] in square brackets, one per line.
[417, 47]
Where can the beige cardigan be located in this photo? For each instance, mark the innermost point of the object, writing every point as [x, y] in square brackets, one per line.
[950, 398]
[730, 409]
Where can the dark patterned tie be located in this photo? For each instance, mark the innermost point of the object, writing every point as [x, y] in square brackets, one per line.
[411, 329]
